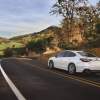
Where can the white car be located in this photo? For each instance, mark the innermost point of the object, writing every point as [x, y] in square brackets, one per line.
[75, 61]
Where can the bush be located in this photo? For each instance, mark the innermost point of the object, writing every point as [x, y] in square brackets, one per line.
[64, 45]
[38, 46]
[98, 28]
[8, 52]
[19, 51]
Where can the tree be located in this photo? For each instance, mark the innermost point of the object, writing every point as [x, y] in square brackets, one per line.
[98, 8]
[39, 46]
[77, 13]
[98, 28]
[68, 9]
[98, 18]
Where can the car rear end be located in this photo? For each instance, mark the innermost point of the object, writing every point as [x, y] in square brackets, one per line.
[94, 65]
[89, 62]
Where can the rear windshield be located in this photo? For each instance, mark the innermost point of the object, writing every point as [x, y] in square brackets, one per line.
[86, 54]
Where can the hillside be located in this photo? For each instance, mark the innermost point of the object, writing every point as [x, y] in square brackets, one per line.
[5, 43]
[45, 31]
[50, 38]
[3, 40]
[51, 31]
[21, 41]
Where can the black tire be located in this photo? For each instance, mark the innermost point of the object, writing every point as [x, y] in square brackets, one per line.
[71, 69]
[51, 65]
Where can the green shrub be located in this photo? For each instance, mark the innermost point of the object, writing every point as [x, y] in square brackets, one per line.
[8, 52]
[98, 28]
[19, 51]
[38, 46]
[64, 45]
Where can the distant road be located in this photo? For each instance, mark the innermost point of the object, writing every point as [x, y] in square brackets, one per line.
[36, 82]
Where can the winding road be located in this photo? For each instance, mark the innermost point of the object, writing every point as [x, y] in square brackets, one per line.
[27, 79]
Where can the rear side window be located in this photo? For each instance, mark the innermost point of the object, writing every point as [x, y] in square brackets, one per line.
[69, 54]
[61, 54]
[86, 54]
[66, 54]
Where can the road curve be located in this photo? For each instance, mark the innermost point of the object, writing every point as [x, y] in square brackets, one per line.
[37, 84]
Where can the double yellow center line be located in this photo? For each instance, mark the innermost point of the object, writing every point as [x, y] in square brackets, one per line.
[72, 77]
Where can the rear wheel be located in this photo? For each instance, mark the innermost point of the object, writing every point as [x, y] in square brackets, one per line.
[51, 65]
[71, 69]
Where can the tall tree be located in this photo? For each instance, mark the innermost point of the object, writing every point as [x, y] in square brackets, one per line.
[78, 12]
[98, 18]
[87, 16]
[68, 9]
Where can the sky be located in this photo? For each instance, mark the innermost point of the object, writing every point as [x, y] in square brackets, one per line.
[18, 17]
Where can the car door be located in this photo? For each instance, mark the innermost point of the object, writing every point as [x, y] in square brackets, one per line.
[58, 60]
[67, 58]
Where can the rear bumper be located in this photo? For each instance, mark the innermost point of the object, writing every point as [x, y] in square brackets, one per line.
[92, 68]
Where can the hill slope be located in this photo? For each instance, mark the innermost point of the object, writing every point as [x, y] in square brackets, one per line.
[3, 40]
[51, 31]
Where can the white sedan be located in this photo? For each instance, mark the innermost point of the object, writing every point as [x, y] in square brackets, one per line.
[75, 61]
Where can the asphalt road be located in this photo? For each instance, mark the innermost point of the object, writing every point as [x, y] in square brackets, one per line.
[36, 82]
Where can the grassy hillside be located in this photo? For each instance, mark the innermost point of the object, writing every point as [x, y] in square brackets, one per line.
[10, 44]
[49, 32]
[52, 33]
[21, 41]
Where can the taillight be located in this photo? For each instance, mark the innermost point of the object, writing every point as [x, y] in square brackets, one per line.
[85, 60]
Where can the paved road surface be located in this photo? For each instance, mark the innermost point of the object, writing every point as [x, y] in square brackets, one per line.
[36, 82]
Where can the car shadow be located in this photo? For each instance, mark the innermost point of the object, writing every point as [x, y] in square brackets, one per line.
[92, 76]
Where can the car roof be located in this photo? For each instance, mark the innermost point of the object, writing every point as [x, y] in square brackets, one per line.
[75, 51]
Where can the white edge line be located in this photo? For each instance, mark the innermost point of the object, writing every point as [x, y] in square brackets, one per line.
[12, 86]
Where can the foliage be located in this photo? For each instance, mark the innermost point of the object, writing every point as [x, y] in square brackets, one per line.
[89, 16]
[98, 28]
[69, 9]
[8, 52]
[10, 45]
[46, 33]
[77, 13]
[93, 44]
[67, 46]
[37, 46]
[40, 45]
[19, 51]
